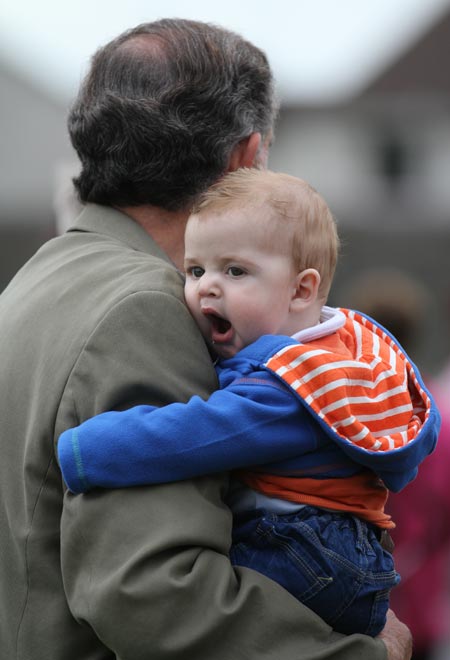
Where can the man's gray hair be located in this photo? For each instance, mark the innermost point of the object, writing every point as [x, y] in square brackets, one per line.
[161, 110]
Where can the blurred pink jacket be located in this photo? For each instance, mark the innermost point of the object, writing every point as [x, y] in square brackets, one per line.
[422, 545]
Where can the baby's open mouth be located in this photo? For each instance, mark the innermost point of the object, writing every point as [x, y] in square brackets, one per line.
[220, 327]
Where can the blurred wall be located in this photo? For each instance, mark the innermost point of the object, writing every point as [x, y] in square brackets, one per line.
[33, 142]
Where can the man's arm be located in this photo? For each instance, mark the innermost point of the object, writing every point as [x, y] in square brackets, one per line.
[153, 579]
[147, 568]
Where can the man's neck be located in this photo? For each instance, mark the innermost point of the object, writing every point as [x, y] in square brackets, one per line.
[165, 227]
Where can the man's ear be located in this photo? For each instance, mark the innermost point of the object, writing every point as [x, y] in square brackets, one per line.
[306, 289]
[244, 153]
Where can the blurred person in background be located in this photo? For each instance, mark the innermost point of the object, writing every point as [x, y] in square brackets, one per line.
[422, 510]
[96, 321]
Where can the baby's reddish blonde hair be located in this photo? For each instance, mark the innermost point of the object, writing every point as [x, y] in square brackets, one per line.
[290, 206]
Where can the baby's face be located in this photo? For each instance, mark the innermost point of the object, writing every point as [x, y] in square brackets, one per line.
[239, 282]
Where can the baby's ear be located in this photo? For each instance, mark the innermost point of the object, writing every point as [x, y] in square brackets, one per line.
[306, 289]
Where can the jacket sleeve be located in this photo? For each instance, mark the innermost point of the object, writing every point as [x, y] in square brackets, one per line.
[147, 568]
[251, 422]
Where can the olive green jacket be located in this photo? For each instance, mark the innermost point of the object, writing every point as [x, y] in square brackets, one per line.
[95, 321]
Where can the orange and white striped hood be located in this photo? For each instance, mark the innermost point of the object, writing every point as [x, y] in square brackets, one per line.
[364, 390]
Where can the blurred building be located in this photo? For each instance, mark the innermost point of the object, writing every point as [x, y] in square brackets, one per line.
[33, 142]
[381, 160]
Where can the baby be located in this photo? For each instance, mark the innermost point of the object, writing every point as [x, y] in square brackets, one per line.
[319, 412]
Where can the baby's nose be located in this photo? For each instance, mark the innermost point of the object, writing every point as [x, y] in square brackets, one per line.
[208, 285]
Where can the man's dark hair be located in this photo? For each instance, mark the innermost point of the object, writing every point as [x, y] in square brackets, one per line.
[161, 109]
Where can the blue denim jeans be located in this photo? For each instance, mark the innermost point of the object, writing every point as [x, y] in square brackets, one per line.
[331, 562]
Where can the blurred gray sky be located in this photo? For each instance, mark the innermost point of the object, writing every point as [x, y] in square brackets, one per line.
[321, 50]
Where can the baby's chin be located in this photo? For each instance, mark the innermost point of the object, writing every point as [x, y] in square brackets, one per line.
[225, 351]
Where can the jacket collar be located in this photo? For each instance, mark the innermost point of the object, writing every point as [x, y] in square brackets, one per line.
[110, 222]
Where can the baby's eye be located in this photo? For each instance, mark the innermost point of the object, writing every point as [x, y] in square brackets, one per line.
[236, 271]
[196, 271]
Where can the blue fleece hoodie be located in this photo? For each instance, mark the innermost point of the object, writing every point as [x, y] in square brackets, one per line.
[256, 420]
